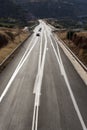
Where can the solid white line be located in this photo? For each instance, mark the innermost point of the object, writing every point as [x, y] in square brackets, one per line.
[72, 96]
[55, 54]
[68, 86]
[38, 90]
[25, 53]
[16, 72]
[39, 64]
[37, 113]
[74, 61]
[40, 52]
[33, 38]
[61, 67]
[33, 122]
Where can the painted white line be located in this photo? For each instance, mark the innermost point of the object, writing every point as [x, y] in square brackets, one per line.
[28, 47]
[68, 85]
[82, 73]
[40, 51]
[60, 61]
[39, 64]
[34, 115]
[37, 111]
[16, 71]
[38, 89]
[72, 96]
[74, 100]
[57, 57]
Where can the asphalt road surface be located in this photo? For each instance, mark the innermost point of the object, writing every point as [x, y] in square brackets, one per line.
[40, 89]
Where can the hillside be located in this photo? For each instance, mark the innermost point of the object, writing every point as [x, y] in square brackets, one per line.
[10, 9]
[54, 8]
[10, 38]
[77, 42]
[26, 1]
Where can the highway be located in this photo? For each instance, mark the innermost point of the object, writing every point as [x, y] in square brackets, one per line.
[40, 89]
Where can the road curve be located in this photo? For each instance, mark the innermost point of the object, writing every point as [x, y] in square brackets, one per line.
[40, 89]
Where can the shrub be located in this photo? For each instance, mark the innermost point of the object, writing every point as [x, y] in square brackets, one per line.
[70, 35]
[84, 43]
[3, 40]
[77, 40]
[80, 41]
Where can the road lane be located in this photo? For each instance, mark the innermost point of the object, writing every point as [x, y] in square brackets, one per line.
[25, 56]
[77, 120]
[16, 108]
[78, 86]
[38, 84]
[70, 91]
[56, 109]
[5, 75]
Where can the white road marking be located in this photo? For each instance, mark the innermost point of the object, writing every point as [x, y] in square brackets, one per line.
[17, 70]
[42, 68]
[37, 89]
[39, 64]
[25, 56]
[33, 121]
[77, 66]
[47, 48]
[57, 56]
[59, 59]
[71, 94]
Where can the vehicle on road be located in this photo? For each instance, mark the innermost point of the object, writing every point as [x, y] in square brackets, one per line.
[38, 34]
[40, 29]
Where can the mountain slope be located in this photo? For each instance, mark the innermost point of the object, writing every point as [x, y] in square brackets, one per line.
[54, 8]
[9, 9]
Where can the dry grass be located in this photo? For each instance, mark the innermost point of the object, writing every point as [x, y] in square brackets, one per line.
[80, 53]
[83, 34]
[62, 34]
[6, 50]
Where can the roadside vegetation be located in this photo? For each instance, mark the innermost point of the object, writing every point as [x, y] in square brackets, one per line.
[13, 33]
[77, 42]
[15, 27]
[12, 22]
[74, 34]
[67, 23]
[9, 40]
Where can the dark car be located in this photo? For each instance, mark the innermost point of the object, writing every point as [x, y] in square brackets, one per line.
[40, 29]
[38, 34]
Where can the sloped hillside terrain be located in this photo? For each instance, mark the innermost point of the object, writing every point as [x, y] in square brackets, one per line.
[54, 8]
[10, 9]
[77, 42]
[9, 39]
